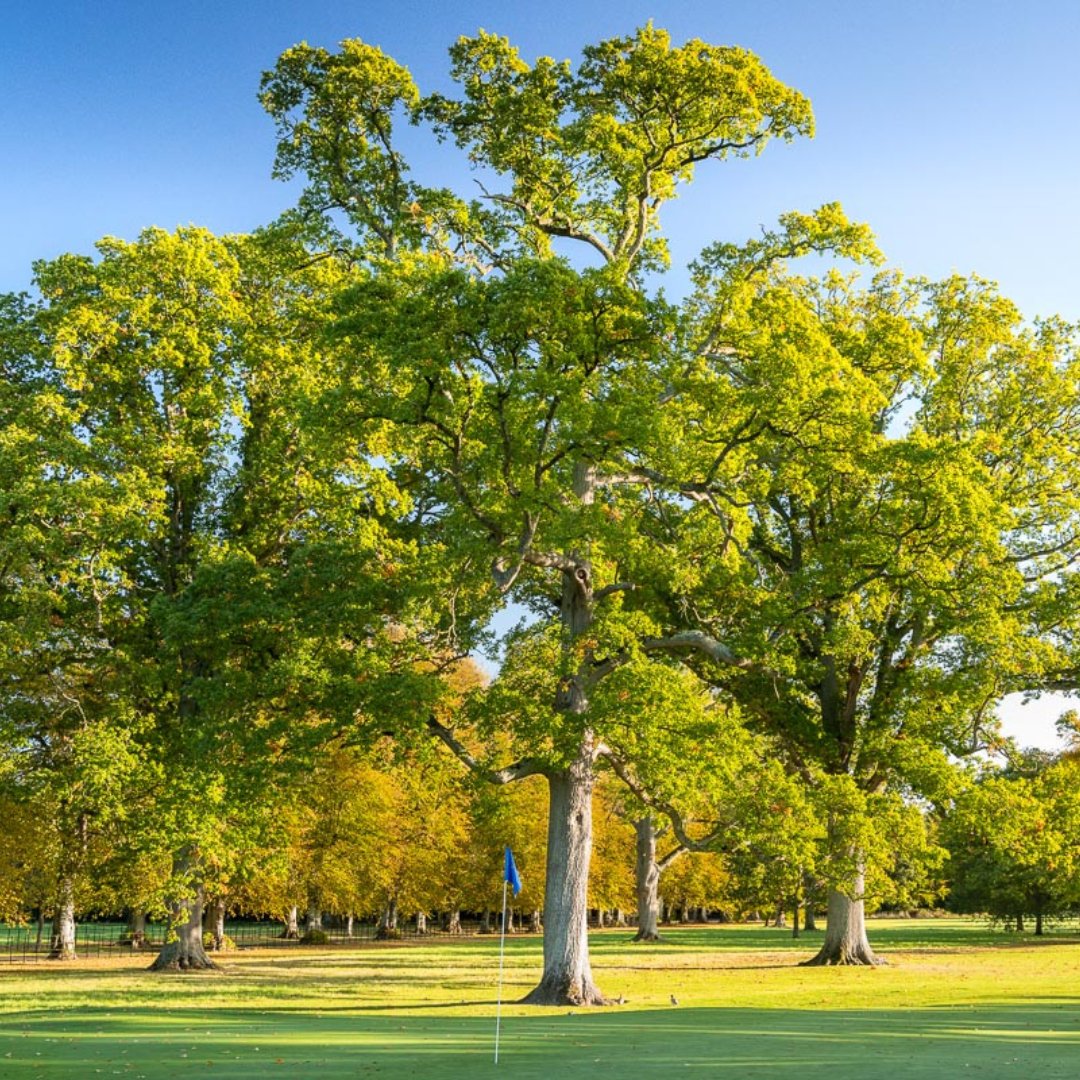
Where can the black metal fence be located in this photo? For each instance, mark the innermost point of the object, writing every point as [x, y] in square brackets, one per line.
[31, 942]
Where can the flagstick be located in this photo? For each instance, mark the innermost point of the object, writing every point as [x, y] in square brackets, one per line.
[498, 1000]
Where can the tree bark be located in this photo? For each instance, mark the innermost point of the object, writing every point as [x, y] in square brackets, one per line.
[62, 940]
[292, 925]
[809, 919]
[137, 928]
[647, 875]
[313, 919]
[779, 919]
[453, 922]
[845, 931]
[185, 951]
[215, 922]
[795, 918]
[567, 976]
[1038, 924]
[535, 925]
[388, 921]
[421, 922]
[1019, 924]
[349, 925]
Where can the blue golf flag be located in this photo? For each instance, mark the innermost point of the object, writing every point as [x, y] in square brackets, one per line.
[510, 874]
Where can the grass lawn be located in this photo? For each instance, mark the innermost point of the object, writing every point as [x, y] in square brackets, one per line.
[955, 1001]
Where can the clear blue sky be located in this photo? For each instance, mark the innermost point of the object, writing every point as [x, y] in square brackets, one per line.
[950, 126]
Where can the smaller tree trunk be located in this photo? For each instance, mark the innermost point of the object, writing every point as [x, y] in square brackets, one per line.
[215, 921]
[1019, 924]
[453, 921]
[648, 880]
[1038, 924]
[535, 925]
[388, 921]
[62, 942]
[421, 922]
[349, 925]
[485, 921]
[809, 921]
[795, 918]
[137, 928]
[292, 925]
[313, 920]
[779, 921]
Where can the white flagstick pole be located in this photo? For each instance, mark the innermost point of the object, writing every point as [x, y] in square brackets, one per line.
[498, 1000]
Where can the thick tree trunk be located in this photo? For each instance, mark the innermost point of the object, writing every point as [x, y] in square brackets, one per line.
[567, 977]
[1019, 924]
[601, 919]
[313, 919]
[185, 951]
[620, 917]
[453, 922]
[215, 923]
[648, 880]
[779, 919]
[845, 931]
[485, 921]
[62, 941]
[809, 920]
[292, 925]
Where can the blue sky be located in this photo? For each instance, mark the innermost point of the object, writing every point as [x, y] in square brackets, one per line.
[949, 126]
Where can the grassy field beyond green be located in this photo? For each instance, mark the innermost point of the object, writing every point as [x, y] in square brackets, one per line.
[955, 1001]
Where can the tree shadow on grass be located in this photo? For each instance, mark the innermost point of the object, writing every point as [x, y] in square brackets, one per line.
[1037, 1039]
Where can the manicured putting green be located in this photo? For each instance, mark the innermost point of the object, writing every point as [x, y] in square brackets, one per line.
[955, 1001]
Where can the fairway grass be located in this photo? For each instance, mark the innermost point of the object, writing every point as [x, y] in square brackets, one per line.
[955, 1001]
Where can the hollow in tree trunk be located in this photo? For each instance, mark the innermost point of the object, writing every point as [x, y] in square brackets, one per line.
[62, 941]
[647, 873]
[845, 931]
[185, 952]
[567, 977]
